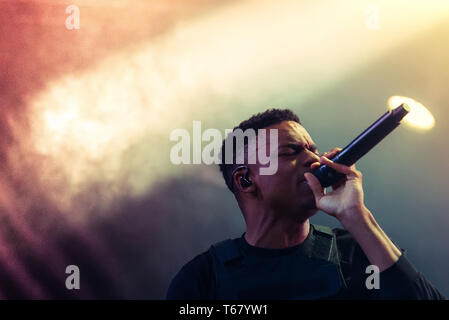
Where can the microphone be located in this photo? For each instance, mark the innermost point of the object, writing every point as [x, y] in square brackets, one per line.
[361, 145]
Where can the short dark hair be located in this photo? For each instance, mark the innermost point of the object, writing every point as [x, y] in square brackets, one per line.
[257, 121]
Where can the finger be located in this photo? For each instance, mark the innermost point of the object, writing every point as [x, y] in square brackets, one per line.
[315, 186]
[337, 166]
[315, 165]
[332, 153]
[350, 172]
[357, 173]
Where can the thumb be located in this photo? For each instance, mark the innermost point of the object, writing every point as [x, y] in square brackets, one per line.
[315, 186]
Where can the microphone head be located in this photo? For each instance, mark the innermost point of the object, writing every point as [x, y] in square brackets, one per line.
[400, 112]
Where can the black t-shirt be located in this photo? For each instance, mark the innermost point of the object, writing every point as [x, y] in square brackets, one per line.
[196, 280]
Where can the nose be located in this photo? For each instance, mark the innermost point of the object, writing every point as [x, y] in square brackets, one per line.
[311, 158]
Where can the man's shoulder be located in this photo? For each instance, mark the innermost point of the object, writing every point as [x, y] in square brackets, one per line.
[193, 280]
[343, 236]
[340, 233]
[346, 244]
[196, 267]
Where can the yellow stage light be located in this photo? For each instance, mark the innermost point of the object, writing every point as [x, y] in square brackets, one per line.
[419, 116]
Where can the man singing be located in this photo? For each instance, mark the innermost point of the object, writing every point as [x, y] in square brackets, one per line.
[281, 255]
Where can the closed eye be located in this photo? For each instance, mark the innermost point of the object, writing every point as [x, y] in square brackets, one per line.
[294, 149]
[291, 150]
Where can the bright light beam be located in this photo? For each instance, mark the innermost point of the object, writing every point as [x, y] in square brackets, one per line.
[419, 116]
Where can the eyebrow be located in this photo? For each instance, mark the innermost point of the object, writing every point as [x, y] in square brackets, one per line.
[312, 146]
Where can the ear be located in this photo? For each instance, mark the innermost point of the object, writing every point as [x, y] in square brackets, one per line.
[238, 182]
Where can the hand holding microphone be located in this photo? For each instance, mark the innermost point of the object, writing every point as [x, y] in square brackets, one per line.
[340, 172]
[346, 196]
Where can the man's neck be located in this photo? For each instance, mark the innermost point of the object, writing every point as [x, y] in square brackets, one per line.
[276, 233]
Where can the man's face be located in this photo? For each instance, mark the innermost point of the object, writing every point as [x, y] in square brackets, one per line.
[287, 191]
